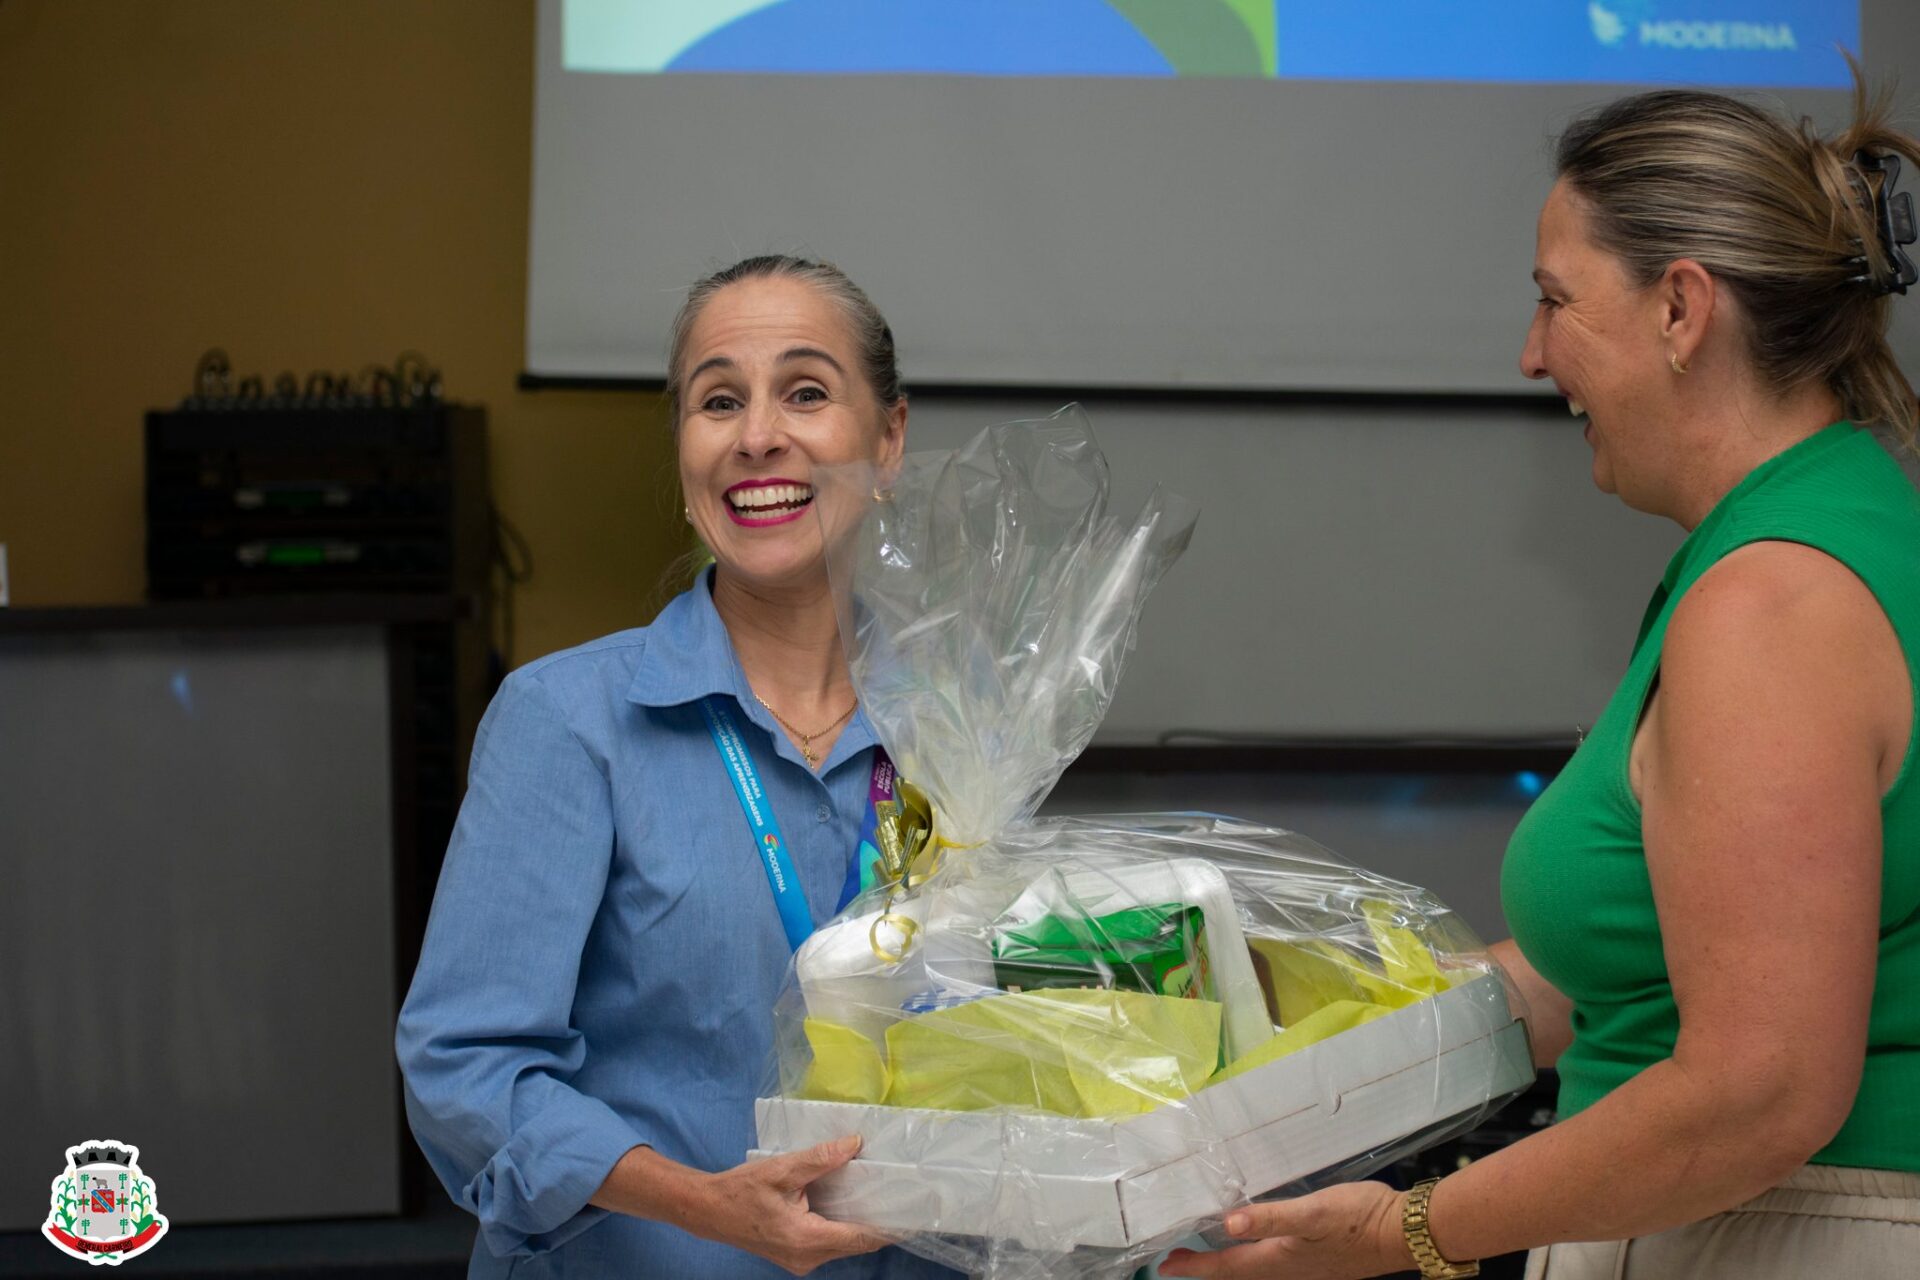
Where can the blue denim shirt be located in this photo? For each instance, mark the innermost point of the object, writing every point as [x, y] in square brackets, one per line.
[604, 953]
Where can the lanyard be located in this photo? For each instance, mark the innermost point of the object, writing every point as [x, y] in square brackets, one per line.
[865, 868]
[769, 845]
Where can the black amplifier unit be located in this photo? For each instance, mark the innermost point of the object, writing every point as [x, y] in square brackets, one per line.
[270, 495]
[349, 486]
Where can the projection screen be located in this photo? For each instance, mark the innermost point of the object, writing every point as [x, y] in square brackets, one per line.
[1243, 195]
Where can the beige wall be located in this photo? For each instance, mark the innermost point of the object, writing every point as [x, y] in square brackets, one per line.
[310, 184]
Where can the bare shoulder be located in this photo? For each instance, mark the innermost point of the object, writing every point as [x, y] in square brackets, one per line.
[1775, 583]
[1783, 625]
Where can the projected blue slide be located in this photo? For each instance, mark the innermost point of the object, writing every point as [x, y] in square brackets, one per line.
[1720, 42]
[1781, 43]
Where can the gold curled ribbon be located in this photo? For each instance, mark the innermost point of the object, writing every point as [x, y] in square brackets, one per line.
[903, 830]
[908, 929]
[909, 856]
[907, 833]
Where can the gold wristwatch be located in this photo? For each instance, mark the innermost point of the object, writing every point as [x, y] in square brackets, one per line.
[1413, 1221]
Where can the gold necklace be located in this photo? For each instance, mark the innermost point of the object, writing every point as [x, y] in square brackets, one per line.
[806, 739]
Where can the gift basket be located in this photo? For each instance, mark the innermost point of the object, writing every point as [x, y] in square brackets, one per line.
[1070, 1043]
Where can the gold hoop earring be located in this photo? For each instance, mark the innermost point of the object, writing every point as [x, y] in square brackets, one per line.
[1673, 358]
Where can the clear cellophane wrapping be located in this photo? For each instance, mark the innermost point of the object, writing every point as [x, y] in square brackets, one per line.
[1069, 1044]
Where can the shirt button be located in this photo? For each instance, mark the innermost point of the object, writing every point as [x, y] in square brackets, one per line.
[823, 813]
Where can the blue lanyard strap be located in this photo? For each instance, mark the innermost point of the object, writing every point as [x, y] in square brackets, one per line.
[767, 842]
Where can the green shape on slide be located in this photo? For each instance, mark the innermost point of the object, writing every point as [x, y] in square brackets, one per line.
[1200, 37]
[1260, 23]
[622, 36]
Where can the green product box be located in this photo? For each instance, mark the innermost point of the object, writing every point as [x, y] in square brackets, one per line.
[1158, 950]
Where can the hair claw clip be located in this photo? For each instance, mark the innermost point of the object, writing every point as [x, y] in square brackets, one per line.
[1893, 212]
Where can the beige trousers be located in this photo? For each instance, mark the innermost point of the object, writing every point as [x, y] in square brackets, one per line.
[1857, 1224]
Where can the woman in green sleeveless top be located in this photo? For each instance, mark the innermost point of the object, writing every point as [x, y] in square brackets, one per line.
[1716, 906]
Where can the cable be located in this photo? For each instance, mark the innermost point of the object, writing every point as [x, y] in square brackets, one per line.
[511, 559]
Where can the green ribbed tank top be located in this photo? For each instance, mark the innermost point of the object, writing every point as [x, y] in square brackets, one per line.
[1575, 884]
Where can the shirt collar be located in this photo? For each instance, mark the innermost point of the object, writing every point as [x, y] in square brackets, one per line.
[689, 656]
[688, 653]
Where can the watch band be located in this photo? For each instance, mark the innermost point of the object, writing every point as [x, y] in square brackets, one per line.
[1413, 1221]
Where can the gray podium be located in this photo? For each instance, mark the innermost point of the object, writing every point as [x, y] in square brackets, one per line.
[204, 894]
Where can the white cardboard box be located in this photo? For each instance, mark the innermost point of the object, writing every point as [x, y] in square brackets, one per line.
[1057, 1183]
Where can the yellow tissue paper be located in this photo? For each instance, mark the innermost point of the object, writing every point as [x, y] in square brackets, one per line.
[1100, 1053]
[1308, 976]
[1082, 1053]
[847, 1066]
[1311, 975]
[1321, 1024]
[1321, 990]
[1412, 972]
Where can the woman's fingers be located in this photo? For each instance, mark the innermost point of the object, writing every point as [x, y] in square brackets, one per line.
[801, 1169]
[1341, 1233]
[1302, 1217]
[843, 1239]
[814, 1241]
[777, 1215]
[1242, 1262]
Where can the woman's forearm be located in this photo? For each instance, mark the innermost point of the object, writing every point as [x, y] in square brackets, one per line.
[760, 1206]
[1549, 1014]
[1669, 1147]
[645, 1184]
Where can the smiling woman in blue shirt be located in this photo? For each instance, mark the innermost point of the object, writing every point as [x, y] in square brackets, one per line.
[591, 1018]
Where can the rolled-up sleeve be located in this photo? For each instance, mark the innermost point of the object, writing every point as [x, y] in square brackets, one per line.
[486, 1041]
